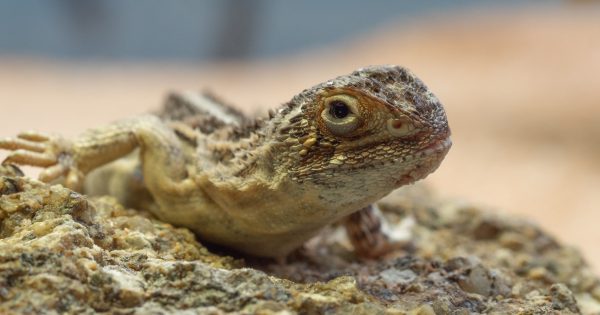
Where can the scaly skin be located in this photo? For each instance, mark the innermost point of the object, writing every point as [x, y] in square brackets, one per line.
[262, 187]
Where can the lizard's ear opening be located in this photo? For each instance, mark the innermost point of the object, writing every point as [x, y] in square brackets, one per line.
[340, 114]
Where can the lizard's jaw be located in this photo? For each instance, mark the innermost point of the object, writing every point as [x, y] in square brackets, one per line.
[428, 160]
[437, 147]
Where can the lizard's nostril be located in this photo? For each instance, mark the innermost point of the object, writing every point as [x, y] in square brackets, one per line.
[400, 127]
[397, 123]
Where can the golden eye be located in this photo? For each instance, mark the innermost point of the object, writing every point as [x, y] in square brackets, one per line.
[340, 114]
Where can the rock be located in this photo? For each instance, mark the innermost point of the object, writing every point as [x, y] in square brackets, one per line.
[397, 277]
[562, 298]
[62, 252]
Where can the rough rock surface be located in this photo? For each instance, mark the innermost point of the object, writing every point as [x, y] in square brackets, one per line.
[61, 252]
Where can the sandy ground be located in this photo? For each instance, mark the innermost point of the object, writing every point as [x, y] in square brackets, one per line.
[521, 90]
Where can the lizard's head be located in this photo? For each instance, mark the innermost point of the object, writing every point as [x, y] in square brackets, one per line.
[360, 136]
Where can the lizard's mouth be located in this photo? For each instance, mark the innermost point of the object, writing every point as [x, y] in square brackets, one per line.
[429, 159]
[436, 147]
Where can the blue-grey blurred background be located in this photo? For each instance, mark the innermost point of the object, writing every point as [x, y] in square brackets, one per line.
[201, 30]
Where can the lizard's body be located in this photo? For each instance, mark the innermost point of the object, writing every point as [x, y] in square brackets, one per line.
[261, 187]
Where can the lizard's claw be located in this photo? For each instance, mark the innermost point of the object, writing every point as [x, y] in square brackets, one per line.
[52, 153]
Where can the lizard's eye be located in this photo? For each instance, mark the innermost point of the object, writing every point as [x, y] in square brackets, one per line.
[340, 114]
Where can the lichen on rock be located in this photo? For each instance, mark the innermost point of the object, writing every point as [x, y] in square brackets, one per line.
[62, 252]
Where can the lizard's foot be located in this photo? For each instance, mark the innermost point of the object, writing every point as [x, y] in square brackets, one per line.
[367, 235]
[51, 153]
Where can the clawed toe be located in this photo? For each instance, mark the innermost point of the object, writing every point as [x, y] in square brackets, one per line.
[25, 157]
[18, 143]
[33, 136]
[74, 179]
[53, 172]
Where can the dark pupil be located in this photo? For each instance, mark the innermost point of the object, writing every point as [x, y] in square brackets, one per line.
[338, 109]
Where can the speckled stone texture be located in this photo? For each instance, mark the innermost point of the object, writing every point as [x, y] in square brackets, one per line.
[61, 252]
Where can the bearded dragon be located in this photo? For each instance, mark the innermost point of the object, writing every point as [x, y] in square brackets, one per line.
[260, 186]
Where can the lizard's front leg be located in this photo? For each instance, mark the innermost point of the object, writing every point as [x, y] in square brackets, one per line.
[365, 231]
[160, 150]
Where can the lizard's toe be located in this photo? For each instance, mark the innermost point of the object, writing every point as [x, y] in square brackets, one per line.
[25, 157]
[18, 143]
[53, 172]
[33, 136]
[74, 180]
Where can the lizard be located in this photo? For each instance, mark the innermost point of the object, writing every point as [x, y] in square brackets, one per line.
[261, 186]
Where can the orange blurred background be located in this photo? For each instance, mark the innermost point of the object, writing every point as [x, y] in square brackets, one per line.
[521, 86]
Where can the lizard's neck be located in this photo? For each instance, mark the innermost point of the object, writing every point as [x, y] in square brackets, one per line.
[257, 183]
[261, 150]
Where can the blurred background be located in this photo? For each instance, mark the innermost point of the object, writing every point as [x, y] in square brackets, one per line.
[520, 79]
